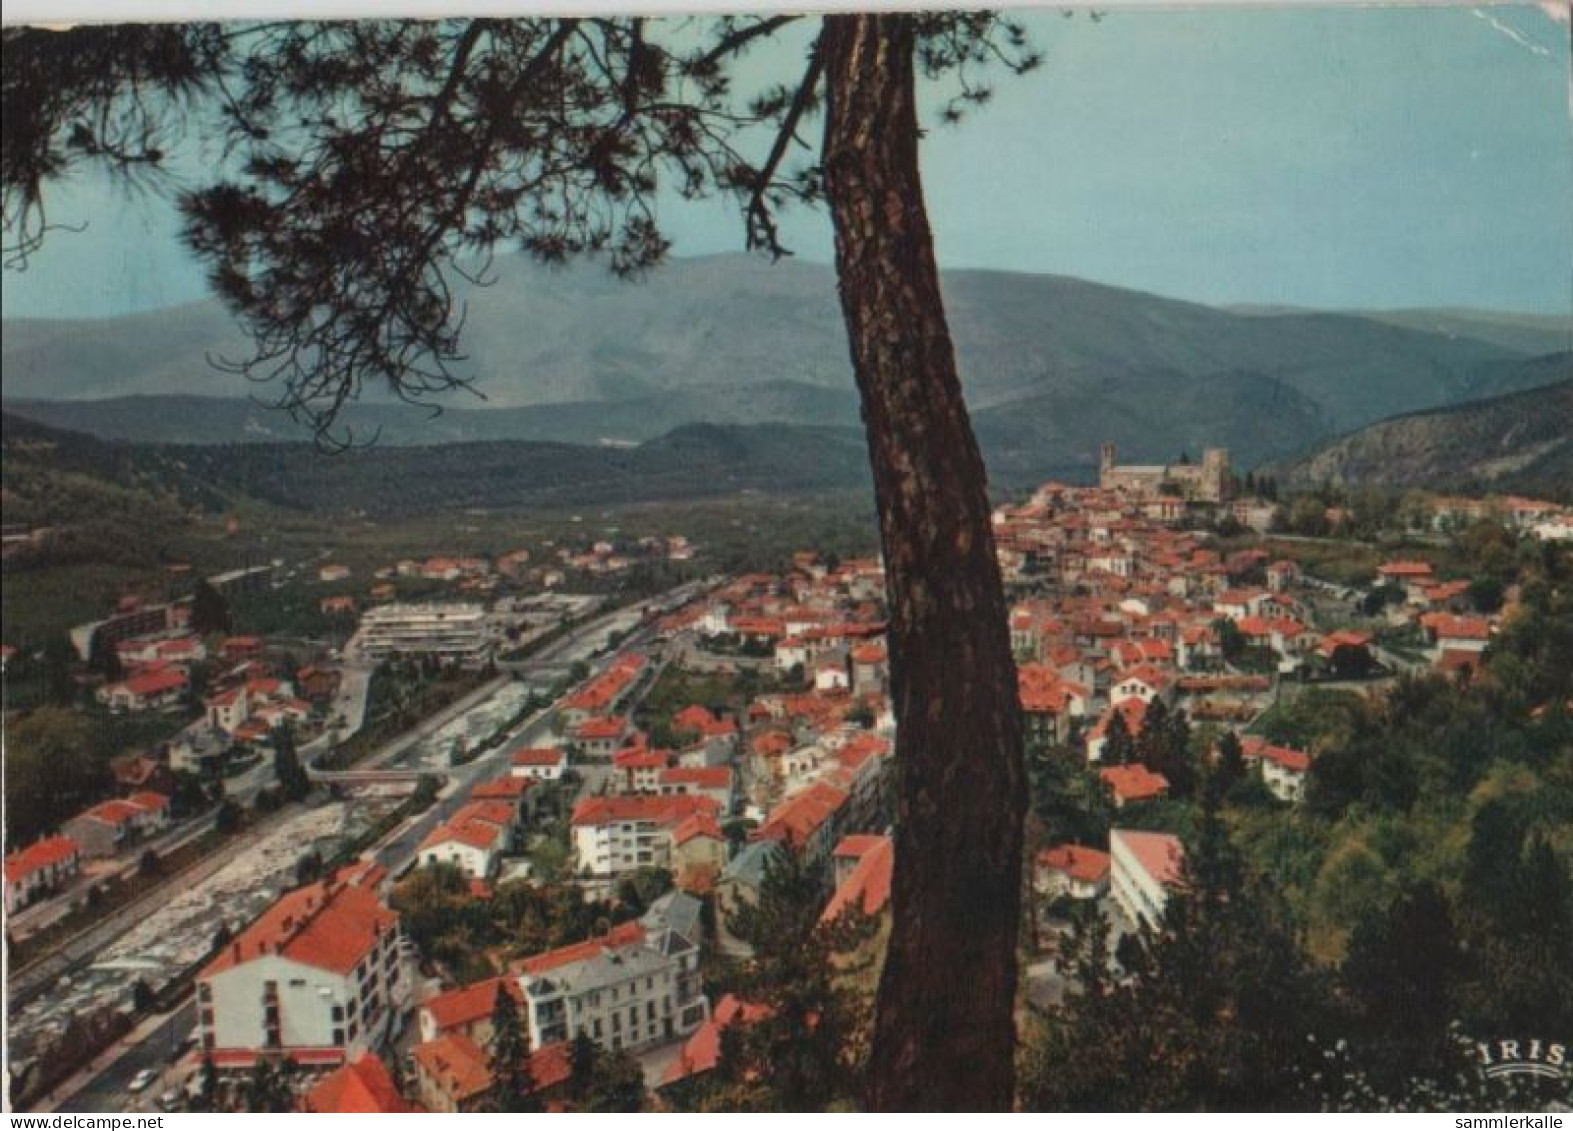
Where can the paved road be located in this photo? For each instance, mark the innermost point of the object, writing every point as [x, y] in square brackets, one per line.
[349, 705]
[394, 748]
[110, 1090]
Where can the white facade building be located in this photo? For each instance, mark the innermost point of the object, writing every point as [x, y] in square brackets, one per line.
[635, 986]
[545, 763]
[616, 835]
[317, 979]
[450, 632]
[1144, 866]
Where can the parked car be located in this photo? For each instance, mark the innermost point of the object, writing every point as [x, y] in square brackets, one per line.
[141, 1080]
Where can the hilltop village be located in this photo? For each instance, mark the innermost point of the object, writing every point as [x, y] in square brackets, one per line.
[512, 818]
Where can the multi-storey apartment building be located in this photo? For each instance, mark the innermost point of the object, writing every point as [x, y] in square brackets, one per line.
[1144, 867]
[453, 633]
[637, 985]
[318, 979]
[614, 835]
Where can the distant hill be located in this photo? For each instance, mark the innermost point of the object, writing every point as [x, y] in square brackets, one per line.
[52, 476]
[576, 356]
[181, 419]
[1521, 441]
[1530, 334]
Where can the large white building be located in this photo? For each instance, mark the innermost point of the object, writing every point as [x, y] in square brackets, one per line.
[317, 980]
[616, 835]
[454, 632]
[1144, 867]
[637, 985]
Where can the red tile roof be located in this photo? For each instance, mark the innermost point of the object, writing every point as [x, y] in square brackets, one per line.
[1460, 628]
[868, 885]
[701, 777]
[363, 1087]
[699, 719]
[702, 1052]
[858, 845]
[499, 813]
[1343, 638]
[1134, 782]
[601, 728]
[1160, 855]
[457, 1065]
[798, 817]
[537, 756]
[113, 812]
[472, 833]
[551, 1065]
[466, 1005]
[1404, 569]
[625, 934]
[860, 748]
[325, 925]
[638, 758]
[156, 682]
[1253, 746]
[699, 825]
[1084, 865]
[669, 810]
[503, 787]
[42, 854]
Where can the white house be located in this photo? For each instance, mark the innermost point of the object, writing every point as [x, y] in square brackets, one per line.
[714, 782]
[112, 826]
[790, 653]
[600, 738]
[1146, 683]
[227, 710]
[146, 691]
[474, 839]
[38, 870]
[474, 847]
[1073, 870]
[831, 675]
[541, 763]
[1283, 770]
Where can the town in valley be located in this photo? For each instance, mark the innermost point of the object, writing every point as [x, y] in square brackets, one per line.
[1007, 559]
[513, 788]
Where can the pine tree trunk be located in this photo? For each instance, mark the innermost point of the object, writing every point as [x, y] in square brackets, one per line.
[944, 1033]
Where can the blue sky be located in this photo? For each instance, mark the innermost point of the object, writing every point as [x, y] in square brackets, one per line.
[1350, 158]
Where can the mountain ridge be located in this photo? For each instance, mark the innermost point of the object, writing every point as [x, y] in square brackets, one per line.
[1515, 441]
[571, 354]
